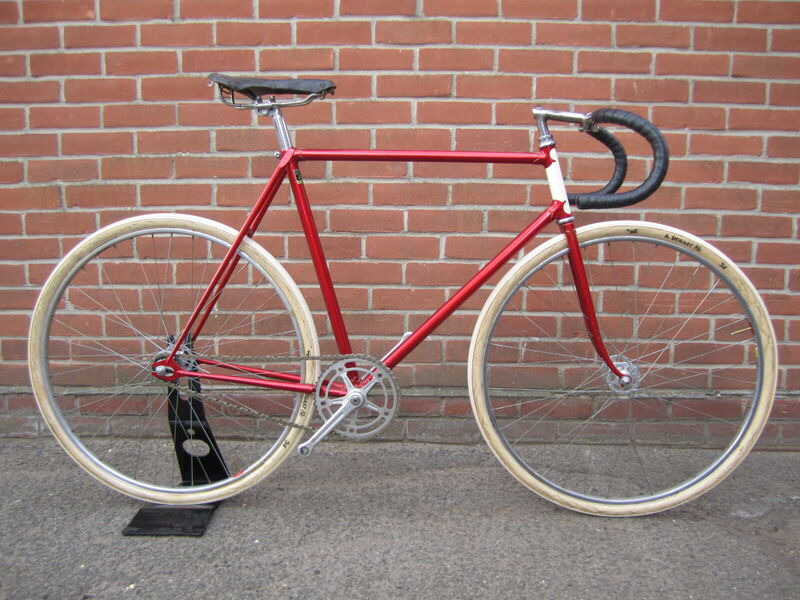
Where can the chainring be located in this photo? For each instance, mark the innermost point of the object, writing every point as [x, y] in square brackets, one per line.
[353, 374]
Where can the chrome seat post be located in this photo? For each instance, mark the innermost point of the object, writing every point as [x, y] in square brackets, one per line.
[272, 109]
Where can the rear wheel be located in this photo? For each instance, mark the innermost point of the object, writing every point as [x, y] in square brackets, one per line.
[115, 305]
[676, 315]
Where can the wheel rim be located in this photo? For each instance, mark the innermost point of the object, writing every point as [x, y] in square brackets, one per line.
[120, 429]
[592, 443]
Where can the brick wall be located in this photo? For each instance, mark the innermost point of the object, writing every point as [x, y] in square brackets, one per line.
[105, 112]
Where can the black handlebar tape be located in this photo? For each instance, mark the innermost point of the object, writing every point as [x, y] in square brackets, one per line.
[602, 199]
[620, 159]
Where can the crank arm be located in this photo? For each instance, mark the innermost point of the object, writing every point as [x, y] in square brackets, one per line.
[352, 402]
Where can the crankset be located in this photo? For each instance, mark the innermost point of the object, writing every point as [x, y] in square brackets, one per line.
[357, 397]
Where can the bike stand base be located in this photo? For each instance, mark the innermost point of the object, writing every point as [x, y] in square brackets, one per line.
[163, 520]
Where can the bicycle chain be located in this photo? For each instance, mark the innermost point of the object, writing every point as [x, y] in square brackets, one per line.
[331, 358]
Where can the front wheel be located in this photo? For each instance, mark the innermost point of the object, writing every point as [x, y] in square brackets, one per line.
[678, 316]
[114, 306]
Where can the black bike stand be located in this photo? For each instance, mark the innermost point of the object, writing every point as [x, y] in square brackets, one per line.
[200, 462]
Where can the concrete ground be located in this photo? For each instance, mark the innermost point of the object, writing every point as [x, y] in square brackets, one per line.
[395, 521]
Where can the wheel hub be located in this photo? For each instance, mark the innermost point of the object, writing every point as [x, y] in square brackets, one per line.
[631, 379]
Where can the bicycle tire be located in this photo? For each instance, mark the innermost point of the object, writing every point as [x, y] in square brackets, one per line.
[108, 311]
[705, 370]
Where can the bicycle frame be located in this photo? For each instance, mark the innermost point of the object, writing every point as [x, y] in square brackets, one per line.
[288, 167]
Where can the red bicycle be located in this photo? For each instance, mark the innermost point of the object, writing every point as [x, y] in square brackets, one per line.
[620, 368]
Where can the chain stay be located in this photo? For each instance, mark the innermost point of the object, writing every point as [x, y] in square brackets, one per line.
[332, 358]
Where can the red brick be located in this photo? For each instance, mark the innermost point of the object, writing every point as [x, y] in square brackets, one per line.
[417, 86]
[201, 167]
[457, 8]
[176, 194]
[413, 32]
[9, 12]
[502, 140]
[785, 40]
[566, 9]
[780, 201]
[174, 88]
[764, 173]
[740, 39]
[372, 220]
[692, 64]
[725, 145]
[231, 33]
[205, 61]
[652, 90]
[99, 36]
[785, 94]
[766, 67]
[653, 36]
[294, 60]
[12, 65]
[378, 7]
[10, 172]
[100, 196]
[12, 118]
[571, 88]
[780, 253]
[730, 92]
[783, 147]
[755, 226]
[97, 143]
[125, 10]
[323, 33]
[720, 198]
[40, 171]
[494, 86]
[30, 198]
[574, 35]
[461, 221]
[713, 11]
[134, 115]
[138, 167]
[614, 62]
[339, 137]
[454, 112]
[211, 115]
[780, 13]
[65, 63]
[173, 142]
[100, 90]
[375, 59]
[58, 10]
[413, 139]
[297, 9]
[456, 59]
[409, 194]
[370, 112]
[136, 63]
[689, 117]
[177, 34]
[777, 120]
[493, 33]
[29, 38]
[16, 92]
[535, 61]
[202, 9]
[61, 222]
[405, 246]
[611, 10]
[442, 273]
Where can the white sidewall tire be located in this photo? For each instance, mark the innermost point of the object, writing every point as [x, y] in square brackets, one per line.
[519, 272]
[37, 340]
